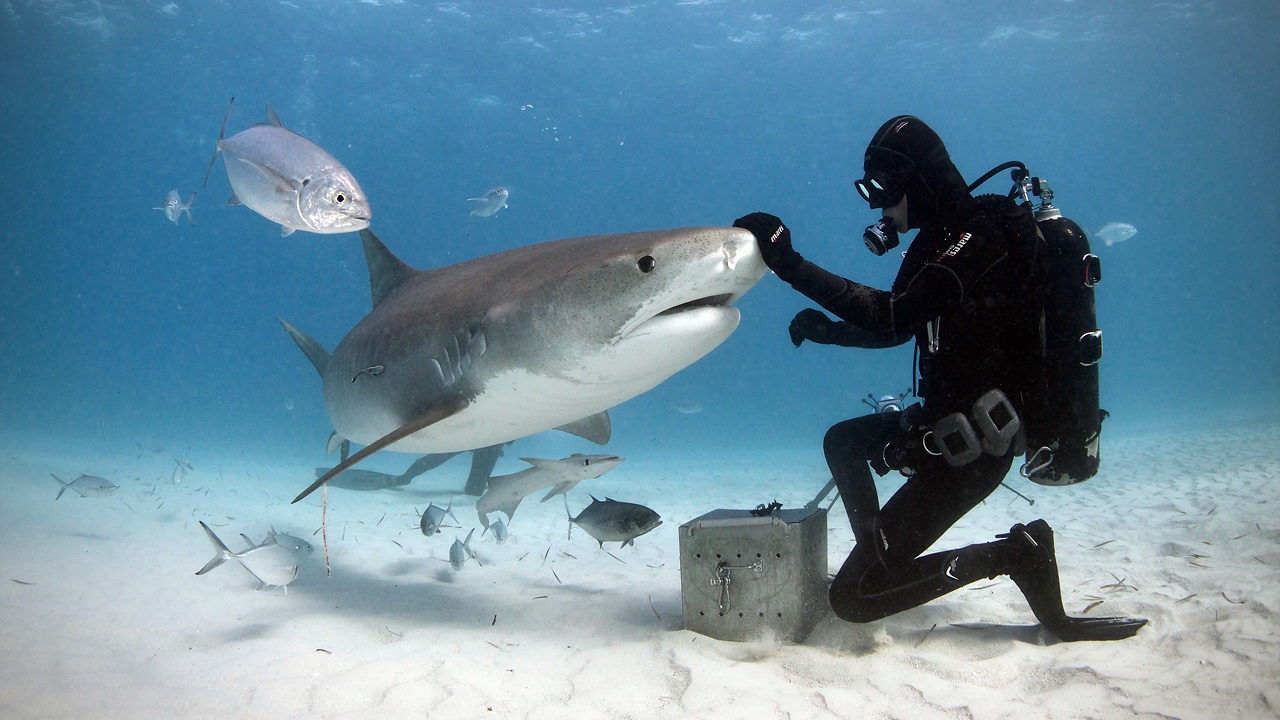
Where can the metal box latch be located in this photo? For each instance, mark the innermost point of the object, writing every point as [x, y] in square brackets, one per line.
[723, 578]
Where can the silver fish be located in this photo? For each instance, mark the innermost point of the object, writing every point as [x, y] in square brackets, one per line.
[174, 207]
[499, 529]
[487, 204]
[610, 520]
[434, 515]
[290, 180]
[90, 486]
[296, 545]
[154, 451]
[1116, 232]
[460, 551]
[506, 491]
[272, 564]
[363, 480]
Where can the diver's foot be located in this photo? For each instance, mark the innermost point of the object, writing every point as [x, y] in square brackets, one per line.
[1035, 571]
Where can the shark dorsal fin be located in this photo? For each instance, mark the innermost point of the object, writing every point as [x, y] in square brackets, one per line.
[272, 117]
[386, 271]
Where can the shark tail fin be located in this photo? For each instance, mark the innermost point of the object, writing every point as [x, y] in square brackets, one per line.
[386, 271]
[224, 553]
[314, 351]
[222, 134]
[63, 487]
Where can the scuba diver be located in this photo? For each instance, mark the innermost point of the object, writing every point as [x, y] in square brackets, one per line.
[967, 294]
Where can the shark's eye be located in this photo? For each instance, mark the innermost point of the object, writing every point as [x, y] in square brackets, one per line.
[646, 263]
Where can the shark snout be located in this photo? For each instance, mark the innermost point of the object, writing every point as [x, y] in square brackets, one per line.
[738, 248]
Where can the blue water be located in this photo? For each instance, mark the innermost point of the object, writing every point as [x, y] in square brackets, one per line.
[117, 326]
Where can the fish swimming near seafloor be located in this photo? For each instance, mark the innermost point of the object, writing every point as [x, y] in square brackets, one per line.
[499, 530]
[459, 552]
[506, 491]
[296, 545]
[271, 563]
[90, 486]
[612, 521]
[487, 204]
[1115, 232]
[290, 180]
[433, 516]
[174, 207]
[539, 337]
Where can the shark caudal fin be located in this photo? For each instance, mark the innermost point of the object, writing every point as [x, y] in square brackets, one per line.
[386, 271]
[314, 351]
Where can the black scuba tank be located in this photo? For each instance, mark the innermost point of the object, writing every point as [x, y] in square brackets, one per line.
[1063, 421]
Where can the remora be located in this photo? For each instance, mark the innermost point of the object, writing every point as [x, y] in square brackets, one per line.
[539, 337]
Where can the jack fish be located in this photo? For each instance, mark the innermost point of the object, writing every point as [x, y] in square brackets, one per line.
[174, 207]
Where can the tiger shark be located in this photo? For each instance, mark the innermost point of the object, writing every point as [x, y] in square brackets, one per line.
[544, 336]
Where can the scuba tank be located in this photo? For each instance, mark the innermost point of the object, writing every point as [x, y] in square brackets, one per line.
[1060, 415]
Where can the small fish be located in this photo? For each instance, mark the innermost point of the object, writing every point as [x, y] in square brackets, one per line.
[290, 180]
[431, 519]
[1113, 233]
[181, 468]
[90, 486]
[460, 551]
[506, 491]
[296, 545]
[499, 529]
[154, 451]
[174, 207]
[610, 520]
[272, 564]
[687, 408]
[487, 204]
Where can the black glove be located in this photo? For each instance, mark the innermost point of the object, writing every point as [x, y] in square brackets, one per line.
[808, 324]
[774, 240]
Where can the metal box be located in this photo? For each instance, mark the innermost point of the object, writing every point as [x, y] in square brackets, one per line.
[743, 577]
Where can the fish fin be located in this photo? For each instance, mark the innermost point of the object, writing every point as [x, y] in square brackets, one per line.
[559, 489]
[286, 231]
[251, 543]
[569, 514]
[318, 356]
[233, 200]
[596, 428]
[540, 463]
[279, 183]
[218, 145]
[335, 440]
[433, 415]
[386, 271]
[628, 541]
[189, 218]
[223, 551]
[273, 118]
[60, 489]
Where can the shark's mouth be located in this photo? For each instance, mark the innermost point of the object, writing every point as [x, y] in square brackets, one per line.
[712, 301]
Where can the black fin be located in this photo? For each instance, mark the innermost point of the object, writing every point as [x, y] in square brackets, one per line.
[386, 271]
[314, 351]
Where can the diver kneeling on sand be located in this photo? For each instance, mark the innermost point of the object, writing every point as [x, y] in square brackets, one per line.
[970, 291]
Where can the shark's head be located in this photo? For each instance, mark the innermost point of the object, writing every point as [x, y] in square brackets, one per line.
[535, 337]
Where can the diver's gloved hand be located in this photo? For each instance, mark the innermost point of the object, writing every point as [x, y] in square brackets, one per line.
[809, 324]
[1035, 571]
[774, 240]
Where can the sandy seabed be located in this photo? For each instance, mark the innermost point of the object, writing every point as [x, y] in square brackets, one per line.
[102, 616]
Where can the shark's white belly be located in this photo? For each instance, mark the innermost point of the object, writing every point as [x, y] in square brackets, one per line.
[517, 402]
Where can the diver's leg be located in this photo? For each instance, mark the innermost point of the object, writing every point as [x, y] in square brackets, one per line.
[848, 447]
[483, 461]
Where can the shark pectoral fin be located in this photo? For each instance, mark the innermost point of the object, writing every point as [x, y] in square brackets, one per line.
[596, 428]
[433, 415]
[233, 200]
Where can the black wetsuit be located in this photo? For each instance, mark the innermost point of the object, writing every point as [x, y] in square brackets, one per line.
[964, 294]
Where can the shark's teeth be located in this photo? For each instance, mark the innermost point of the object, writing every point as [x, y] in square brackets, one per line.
[465, 346]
